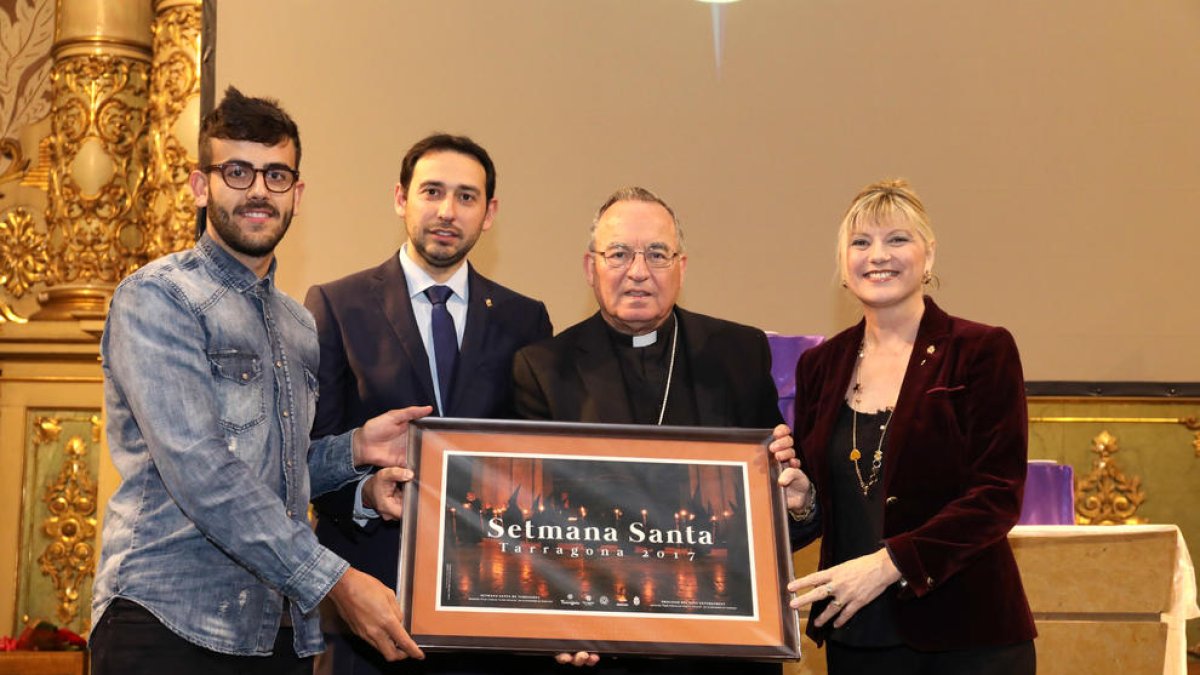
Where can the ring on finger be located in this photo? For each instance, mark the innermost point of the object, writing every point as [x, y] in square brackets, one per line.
[828, 588]
[836, 603]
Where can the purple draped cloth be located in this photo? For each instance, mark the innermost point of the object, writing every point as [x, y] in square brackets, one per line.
[1049, 494]
[785, 352]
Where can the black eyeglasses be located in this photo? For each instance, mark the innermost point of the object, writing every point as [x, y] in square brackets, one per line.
[619, 257]
[241, 175]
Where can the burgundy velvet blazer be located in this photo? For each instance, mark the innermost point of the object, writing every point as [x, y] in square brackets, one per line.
[954, 472]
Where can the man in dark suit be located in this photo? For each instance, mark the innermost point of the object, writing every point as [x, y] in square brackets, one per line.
[642, 359]
[423, 328]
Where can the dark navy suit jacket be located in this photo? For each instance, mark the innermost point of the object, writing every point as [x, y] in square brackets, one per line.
[373, 360]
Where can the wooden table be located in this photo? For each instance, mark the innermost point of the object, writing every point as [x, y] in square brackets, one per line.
[43, 663]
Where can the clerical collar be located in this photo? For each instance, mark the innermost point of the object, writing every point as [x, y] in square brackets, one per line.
[640, 341]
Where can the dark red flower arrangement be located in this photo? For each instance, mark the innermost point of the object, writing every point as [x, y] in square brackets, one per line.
[43, 636]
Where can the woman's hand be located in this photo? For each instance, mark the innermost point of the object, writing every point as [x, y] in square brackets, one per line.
[782, 447]
[849, 586]
[797, 490]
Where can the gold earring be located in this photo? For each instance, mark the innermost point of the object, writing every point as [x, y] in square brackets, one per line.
[927, 278]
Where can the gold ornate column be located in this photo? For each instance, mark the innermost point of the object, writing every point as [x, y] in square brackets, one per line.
[73, 222]
[165, 200]
[100, 90]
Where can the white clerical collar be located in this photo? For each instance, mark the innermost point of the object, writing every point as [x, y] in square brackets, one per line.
[418, 279]
[645, 340]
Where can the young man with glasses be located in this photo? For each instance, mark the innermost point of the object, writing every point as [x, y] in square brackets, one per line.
[642, 359]
[421, 328]
[208, 564]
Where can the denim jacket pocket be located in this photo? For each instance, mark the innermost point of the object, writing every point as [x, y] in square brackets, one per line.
[239, 387]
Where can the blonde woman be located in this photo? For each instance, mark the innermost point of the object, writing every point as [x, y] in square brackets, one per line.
[911, 426]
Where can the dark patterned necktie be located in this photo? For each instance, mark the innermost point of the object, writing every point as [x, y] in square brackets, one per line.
[445, 341]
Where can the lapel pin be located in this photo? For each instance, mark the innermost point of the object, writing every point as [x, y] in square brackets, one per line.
[930, 349]
[487, 301]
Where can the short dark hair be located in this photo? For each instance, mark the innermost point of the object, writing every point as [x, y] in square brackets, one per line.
[446, 142]
[244, 118]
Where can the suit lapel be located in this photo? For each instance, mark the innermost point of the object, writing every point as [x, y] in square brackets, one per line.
[928, 351]
[711, 398]
[470, 355]
[390, 290]
[604, 397]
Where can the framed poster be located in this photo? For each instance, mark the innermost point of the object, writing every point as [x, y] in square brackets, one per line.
[617, 539]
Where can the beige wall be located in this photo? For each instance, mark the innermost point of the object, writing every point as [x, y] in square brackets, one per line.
[1055, 145]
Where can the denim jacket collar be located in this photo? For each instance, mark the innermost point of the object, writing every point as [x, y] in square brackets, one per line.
[229, 269]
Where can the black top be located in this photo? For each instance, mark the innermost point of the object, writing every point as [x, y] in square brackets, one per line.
[644, 371]
[858, 523]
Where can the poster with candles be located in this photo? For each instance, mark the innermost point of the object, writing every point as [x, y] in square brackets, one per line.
[595, 535]
[549, 536]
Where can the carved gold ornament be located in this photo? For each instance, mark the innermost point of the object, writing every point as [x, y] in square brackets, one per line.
[97, 118]
[38, 176]
[23, 252]
[70, 557]
[1193, 425]
[46, 430]
[1106, 496]
[165, 200]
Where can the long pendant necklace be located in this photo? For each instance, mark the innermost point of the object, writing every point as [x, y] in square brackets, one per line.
[670, 370]
[855, 454]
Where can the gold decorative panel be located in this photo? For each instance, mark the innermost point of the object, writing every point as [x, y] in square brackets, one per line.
[59, 543]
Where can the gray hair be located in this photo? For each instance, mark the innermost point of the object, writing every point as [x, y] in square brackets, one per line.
[634, 194]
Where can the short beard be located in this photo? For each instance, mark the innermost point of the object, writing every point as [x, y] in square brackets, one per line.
[441, 261]
[222, 221]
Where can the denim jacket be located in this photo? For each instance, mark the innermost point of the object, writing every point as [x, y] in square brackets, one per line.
[210, 390]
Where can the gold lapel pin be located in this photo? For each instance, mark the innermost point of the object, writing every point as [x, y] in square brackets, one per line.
[930, 349]
[487, 301]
